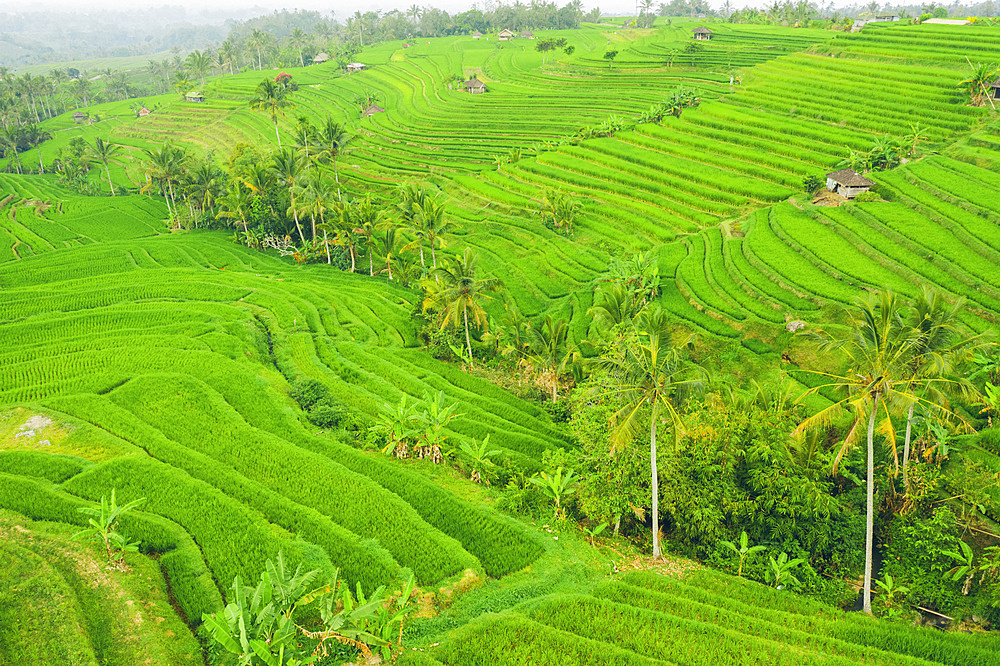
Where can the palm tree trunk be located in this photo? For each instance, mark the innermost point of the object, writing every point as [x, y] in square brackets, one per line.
[41, 166]
[655, 484]
[110, 184]
[350, 247]
[422, 264]
[278, 136]
[468, 341]
[327, 246]
[906, 449]
[870, 510]
[312, 219]
[295, 216]
[371, 263]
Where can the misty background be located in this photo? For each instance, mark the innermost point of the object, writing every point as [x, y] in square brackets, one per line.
[48, 31]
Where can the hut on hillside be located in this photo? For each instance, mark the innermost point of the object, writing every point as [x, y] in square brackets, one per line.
[194, 96]
[475, 86]
[320, 58]
[939, 21]
[994, 89]
[505, 35]
[477, 34]
[848, 183]
[143, 112]
[886, 18]
[526, 34]
[79, 117]
[354, 67]
[372, 110]
[702, 33]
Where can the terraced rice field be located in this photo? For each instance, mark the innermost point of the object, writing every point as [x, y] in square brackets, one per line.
[703, 618]
[160, 364]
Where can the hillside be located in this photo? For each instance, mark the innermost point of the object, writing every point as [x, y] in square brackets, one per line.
[175, 365]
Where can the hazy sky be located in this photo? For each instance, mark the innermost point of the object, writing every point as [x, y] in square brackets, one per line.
[341, 8]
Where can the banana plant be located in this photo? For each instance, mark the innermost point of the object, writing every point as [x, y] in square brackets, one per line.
[480, 459]
[888, 585]
[780, 572]
[103, 528]
[557, 486]
[965, 566]
[592, 534]
[744, 552]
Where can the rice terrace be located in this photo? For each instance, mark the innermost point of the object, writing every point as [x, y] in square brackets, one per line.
[505, 334]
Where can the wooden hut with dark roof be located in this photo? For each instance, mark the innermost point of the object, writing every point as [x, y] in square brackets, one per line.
[994, 89]
[475, 86]
[701, 33]
[79, 117]
[372, 110]
[848, 183]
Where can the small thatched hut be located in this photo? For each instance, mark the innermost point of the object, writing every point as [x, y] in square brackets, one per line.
[320, 58]
[475, 86]
[79, 117]
[848, 183]
[372, 110]
[701, 33]
[194, 96]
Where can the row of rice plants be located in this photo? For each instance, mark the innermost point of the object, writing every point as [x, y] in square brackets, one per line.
[180, 558]
[754, 600]
[212, 428]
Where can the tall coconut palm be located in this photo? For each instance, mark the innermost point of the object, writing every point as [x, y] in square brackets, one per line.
[258, 40]
[167, 167]
[367, 217]
[288, 167]
[551, 350]
[199, 63]
[10, 138]
[410, 204]
[236, 204]
[35, 136]
[649, 375]
[272, 98]
[107, 154]
[227, 56]
[347, 230]
[298, 39]
[940, 345]
[305, 136]
[332, 138]
[434, 225]
[975, 84]
[877, 348]
[460, 294]
[385, 238]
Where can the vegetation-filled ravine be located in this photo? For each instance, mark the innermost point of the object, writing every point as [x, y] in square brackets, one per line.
[513, 336]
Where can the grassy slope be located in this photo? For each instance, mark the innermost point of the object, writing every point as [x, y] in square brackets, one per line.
[135, 312]
[58, 604]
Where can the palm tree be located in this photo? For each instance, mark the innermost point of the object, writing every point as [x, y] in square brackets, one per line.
[236, 204]
[939, 346]
[298, 39]
[167, 169]
[347, 230]
[305, 136]
[272, 98]
[549, 347]
[975, 84]
[11, 138]
[200, 63]
[228, 55]
[288, 166]
[386, 239]
[258, 39]
[461, 293]
[648, 374]
[878, 348]
[410, 204]
[434, 226]
[332, 138]
[106, 153]
[367, 217]
[35, 135]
